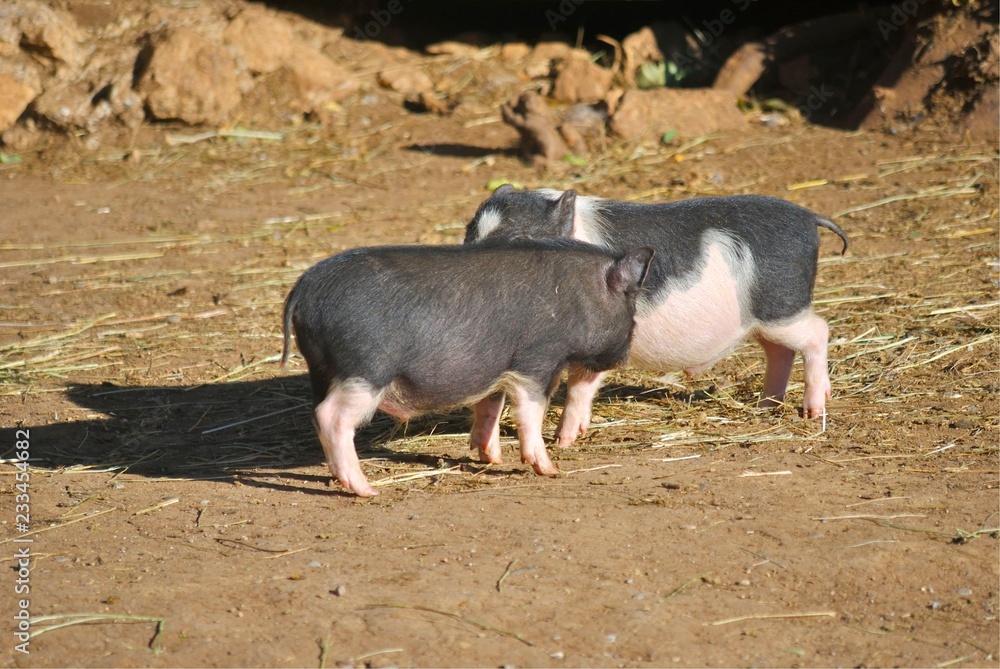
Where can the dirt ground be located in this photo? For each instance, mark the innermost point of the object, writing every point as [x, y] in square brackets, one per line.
[181, 514]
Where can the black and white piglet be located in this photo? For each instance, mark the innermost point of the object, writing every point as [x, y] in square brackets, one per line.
[725, 268]
[412, 329]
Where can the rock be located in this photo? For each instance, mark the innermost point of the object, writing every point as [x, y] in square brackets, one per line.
[14, 99]
[428, 102]
[540, 60]
[540, 138]
[21, 137]
[46, 33]
[265, 41]
[318, 80]
[513, 52]
[125, 103]
[581, 81]
[409, 80]
[694, 111]
[453, 48]
[189, 78]
[71, 106]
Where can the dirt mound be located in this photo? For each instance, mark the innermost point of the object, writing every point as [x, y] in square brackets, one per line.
[93, 71]
[944, 73]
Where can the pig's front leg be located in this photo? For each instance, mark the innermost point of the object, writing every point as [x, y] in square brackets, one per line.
[485, 434]
[529, 410]
[581, 389]
[336, 419]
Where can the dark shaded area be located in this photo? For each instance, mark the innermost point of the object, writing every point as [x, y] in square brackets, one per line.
[417, 23]
[826, 83]
[226, 431]
[461, 150]
[220, 431]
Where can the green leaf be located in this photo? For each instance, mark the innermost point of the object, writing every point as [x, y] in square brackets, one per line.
[493, 184]
[10, 158]
[651, 75]
[575, 160]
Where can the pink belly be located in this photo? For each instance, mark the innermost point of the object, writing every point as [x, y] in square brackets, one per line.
[696, 326]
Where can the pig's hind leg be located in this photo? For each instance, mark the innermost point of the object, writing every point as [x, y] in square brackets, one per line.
[808, 334]
[581, 388]
[485, 433]
[347, 406]
[779, 359]
[529, 410]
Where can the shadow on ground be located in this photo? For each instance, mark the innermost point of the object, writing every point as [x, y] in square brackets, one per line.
[220, 430]
[227, 430]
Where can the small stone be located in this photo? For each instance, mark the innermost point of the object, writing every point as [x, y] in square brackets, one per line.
[14, 99]
[315, 563]
[514, 51]
[558, 655]
[173, 319]
[408, 80]
[320, 83]
[964, 592]
[338, 591]
[581, 81]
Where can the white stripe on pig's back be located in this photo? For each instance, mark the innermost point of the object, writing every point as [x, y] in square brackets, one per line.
[694, 321]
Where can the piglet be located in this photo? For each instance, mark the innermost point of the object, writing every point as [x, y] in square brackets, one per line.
[725, 269]
[413, 329]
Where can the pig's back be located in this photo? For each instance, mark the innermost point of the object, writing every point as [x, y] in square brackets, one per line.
[776, 241]
[444, 319]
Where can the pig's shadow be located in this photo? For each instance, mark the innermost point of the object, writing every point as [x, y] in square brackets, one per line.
[227, 430]
[452, 150]
[219, 431]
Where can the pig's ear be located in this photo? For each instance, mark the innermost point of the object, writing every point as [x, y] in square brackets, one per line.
[628, 273]
[503, 189]
[565, 212]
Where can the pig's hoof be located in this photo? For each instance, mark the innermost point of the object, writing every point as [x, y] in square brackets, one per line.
[488, 459]
[545, 469]
[815, 408]
[489, 454]
[569, 432]
[360, 488]
[813, 412]
[769, 402]
[542, 467]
